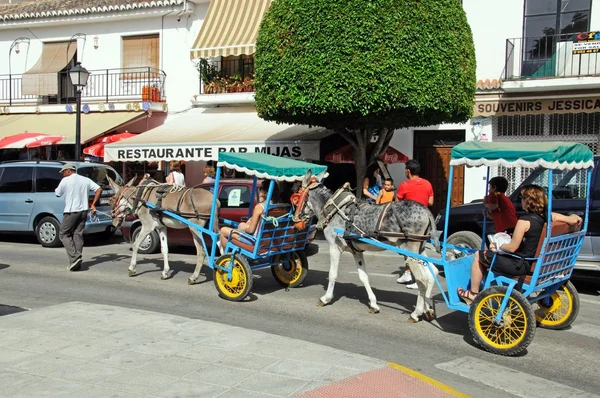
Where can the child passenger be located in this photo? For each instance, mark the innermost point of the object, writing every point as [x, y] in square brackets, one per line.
[498, 206]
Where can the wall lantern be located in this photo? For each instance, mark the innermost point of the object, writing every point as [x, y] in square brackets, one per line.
[17, 49]
[95, 42]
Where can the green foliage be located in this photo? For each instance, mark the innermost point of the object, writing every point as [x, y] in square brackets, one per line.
[365, 64]
[206, 71]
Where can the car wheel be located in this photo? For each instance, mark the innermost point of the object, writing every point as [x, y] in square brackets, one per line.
[151, 243]
[465, 239]
[47, 232]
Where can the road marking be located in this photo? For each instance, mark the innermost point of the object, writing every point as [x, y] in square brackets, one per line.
[586, 329]
[512, 381]
[417, 375]
[376, 274]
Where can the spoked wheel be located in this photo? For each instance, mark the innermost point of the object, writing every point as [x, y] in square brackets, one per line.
[240, 284]
[560, 309]
[291, 273]
[515, 329]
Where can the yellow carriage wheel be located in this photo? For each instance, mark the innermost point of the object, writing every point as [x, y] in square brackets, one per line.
[240, 284]
[516, 328]
[292, 273]
[560, 309]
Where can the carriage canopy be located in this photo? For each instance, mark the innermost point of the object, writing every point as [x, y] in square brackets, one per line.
[272, 167]
[550, 155]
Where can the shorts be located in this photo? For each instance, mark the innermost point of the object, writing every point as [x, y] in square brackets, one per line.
[503, 264]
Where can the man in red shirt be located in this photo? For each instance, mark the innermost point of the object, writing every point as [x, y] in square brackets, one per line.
[419, 190]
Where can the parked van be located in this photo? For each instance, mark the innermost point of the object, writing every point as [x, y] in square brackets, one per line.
[28, 203]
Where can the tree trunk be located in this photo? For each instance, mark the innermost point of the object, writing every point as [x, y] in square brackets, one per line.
[365, 154]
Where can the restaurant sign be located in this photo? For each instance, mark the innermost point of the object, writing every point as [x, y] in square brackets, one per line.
[539, 106]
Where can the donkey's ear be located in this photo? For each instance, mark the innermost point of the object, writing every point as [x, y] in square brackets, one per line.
[307, 178]
[130, 183]
[113, 184]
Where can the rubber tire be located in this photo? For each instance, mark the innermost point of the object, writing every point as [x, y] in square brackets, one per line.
[530, 325]
[571, 317]
[467, 239]
[303, 270]
[56, 242]
[154, 245]
[220, 275]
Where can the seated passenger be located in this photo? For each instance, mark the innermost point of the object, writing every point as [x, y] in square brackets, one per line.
[524, 242]
[498, 206]
[251, 226]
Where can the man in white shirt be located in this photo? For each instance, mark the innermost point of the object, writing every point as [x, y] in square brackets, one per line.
[76, 190]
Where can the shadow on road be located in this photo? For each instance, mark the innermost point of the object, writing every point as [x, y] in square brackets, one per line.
[3, 266]
[9, 309]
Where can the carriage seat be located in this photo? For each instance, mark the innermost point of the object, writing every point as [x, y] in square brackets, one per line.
[558, 229]
[270, 239]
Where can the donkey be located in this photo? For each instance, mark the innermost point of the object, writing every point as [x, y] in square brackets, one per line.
[192, 204]
[409, 220]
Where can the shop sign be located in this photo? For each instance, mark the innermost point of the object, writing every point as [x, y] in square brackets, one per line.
[301, 150]
[532, 107]
[586, 43]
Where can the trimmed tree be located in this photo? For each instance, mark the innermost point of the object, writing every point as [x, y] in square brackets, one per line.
[365, 68]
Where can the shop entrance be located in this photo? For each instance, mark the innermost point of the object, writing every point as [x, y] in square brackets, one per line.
[432, 148]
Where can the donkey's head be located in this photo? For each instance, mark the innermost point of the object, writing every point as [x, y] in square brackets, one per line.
[304, 206]
[121, 204]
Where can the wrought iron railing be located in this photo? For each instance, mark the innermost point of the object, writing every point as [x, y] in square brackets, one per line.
[547, 57]
[104, 85]
[229, 76]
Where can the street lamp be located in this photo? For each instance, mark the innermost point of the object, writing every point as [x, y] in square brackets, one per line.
[79, 77]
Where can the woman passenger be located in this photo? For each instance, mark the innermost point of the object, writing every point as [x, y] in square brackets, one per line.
[523, 244]
[251, 226]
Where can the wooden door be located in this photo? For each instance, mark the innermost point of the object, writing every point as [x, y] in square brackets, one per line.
[435, 167]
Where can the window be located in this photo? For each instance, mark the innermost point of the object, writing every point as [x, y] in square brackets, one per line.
[141, 53]
[47, 179]
[235, 197]
[566, 184]
[17, 180]
[98, 174]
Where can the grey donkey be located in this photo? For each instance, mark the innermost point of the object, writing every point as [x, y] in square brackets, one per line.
[193, 204]
[408, 217]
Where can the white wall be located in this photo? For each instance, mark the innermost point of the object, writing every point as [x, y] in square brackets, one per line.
[595, 16]
[491, 26]
[177, 38]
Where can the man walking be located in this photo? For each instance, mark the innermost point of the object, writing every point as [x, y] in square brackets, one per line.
[419, 190]
[76, 190]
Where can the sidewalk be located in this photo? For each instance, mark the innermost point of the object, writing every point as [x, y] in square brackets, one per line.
[88, 350]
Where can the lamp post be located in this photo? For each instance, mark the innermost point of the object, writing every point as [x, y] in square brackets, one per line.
[15, 45]
[79, 77]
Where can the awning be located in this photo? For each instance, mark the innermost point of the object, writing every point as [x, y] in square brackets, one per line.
[202, 134]
[42, 79]
[230, 28]
[92, 124]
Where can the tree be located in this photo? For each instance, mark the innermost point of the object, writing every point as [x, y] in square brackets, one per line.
[365, 67]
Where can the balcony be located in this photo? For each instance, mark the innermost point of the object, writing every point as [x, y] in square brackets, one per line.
[104, 86]
[226, 80]
[549, 62]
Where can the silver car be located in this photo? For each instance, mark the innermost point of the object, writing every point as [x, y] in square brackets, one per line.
[28, 202]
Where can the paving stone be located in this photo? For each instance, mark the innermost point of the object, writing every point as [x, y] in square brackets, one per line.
[88, 372]
[272, 384]
[204, 353]
[46, 364]
[360, 362]
[11, 357]
[41, 344]
[241, 393]
[220, 375]
[247, 361]
[142, 383]
[336, 373]
[309, 387]
[191, 337]
[86, 351]
[319, 356]
[10, 380]
[173, 366]
[297, 369]
[191, 389]
[48, 388]
[100, 392]
[126, 359]
[161, 347]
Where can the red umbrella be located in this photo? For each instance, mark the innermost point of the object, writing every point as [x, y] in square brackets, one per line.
[29, 140]
[97, 150]
[346, 155]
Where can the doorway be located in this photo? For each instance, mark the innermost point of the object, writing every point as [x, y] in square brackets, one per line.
[433, 149]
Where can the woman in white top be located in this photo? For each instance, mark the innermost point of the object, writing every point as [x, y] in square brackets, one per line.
[175, 177]
[251, 226]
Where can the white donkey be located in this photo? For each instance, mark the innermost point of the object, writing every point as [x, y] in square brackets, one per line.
[191, 203]
[406, 224]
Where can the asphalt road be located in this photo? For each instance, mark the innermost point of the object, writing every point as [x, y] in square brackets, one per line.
[33, 277]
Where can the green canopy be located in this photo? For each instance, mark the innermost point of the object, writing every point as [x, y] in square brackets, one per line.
[272, 167]
[550, 155]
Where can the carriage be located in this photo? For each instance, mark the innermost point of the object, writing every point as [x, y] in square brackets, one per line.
[503, 317]
[276, 244]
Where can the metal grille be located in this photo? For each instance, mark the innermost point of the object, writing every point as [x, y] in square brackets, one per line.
[578, 127]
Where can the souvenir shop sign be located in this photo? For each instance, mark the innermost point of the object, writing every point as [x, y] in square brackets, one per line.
[536, 106]
[187, 152]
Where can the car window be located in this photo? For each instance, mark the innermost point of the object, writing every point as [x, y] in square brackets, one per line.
[566, 184]
[235, 197]
[98, 174]
[47, 179]
[17, 180]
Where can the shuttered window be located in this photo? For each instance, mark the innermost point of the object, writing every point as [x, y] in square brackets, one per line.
[141, 53]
